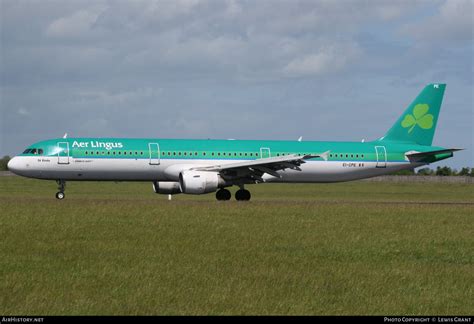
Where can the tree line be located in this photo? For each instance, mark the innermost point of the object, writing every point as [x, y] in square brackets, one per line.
[439, 171]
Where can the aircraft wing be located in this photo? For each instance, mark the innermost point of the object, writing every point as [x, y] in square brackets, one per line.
[255, 169]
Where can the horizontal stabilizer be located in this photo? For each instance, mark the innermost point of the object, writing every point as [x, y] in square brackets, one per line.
[418, 156]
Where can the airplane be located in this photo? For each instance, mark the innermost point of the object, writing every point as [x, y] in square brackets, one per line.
[196, 167]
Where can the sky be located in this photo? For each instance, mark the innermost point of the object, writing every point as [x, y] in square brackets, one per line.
[260, 69]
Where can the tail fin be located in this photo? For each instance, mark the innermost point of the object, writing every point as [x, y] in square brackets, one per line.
[418, 122]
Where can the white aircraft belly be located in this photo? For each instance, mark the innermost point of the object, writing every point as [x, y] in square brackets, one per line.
[335, 171]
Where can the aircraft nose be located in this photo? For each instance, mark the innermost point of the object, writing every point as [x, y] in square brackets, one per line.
[14, 165]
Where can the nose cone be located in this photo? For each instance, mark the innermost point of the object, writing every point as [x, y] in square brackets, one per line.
[14, 165]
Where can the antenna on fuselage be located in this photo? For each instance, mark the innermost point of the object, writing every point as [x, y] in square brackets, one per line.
[65, 135]
[300, 138]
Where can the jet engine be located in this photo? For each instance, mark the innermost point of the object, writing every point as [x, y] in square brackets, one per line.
[199, 182]
[166, 188]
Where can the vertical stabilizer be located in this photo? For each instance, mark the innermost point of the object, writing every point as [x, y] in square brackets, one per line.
[418, 122]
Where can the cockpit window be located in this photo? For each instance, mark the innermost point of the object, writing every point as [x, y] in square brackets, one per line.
[34, 151]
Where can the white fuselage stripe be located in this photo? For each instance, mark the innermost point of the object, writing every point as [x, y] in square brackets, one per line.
[141, 169]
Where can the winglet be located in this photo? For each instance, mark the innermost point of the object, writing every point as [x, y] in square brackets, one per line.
[324, 156]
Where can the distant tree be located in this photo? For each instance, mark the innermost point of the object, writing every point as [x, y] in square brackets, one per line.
[3, 163]
[464, 172]
[472, 172]
[425, 172]
[444, 171]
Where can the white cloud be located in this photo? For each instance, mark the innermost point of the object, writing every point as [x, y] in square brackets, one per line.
[108, 98]
[77, 25]
[452, 22]
[327, 60]
[23, 111]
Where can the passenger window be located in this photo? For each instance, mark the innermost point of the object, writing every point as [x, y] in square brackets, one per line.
[113, 152]
[120, 153]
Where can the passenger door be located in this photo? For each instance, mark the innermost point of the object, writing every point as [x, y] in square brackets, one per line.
[381, 156]
[264, 152]
[154, 150]
[63, 153]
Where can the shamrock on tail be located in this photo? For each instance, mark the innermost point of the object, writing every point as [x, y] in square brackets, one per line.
[419, 117]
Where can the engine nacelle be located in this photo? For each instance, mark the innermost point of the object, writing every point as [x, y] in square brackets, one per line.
[166, 188]
[199, 182]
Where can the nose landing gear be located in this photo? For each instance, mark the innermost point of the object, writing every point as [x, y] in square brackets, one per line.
[61, 187]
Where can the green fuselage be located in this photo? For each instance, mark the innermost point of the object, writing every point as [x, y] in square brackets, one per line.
[149, 159]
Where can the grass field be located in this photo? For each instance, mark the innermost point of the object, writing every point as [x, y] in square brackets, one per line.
[350, 248]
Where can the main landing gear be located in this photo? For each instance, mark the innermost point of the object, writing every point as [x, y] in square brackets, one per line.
[61, 187]
[240, 195]
[223, 194]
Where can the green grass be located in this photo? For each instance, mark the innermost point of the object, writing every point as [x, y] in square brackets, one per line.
[351, 248]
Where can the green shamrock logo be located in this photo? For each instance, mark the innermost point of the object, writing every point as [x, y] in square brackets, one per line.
[420, 117]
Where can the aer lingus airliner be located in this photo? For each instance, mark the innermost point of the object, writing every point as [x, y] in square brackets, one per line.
[205, 166]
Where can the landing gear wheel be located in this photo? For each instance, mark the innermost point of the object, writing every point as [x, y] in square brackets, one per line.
[223, 194]
[242, 195]
[61, 187]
